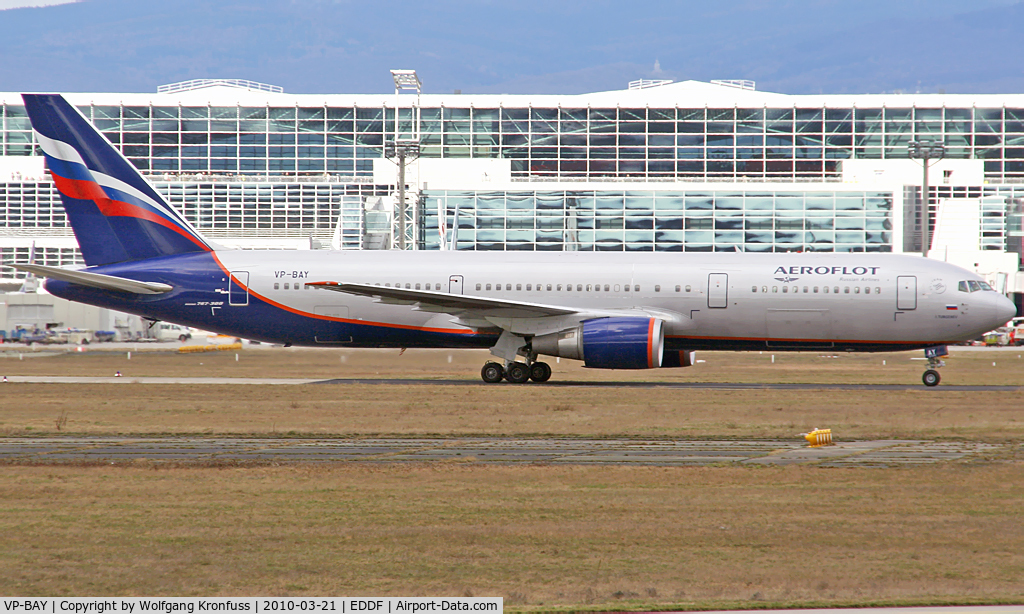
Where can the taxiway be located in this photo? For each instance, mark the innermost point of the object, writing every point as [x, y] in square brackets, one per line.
[555, 451]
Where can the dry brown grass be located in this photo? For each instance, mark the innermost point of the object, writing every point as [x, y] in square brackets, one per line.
[542, 537]
[966, 366]
[329, 410]
[539, 536]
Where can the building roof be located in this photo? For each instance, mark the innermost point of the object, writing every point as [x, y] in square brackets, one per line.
[684, 94]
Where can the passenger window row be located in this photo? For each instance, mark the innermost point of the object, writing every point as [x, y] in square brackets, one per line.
[411, 286]
[508, 287]
[815, 289]
[570, 287]
[559, 287]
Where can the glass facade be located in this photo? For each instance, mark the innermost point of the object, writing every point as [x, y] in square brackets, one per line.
[662, 220]
[731, 172]
[766, 142]
[216, 209]
[1002, 219]
[47, 256]
[236, 210]
[1002, 210]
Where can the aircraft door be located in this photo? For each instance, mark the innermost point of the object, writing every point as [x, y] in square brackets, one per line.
[238, 288]
[718, 290]
[906, 292]
[455, 284]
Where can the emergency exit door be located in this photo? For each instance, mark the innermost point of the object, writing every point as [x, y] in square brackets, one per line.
[238, 288]
[718, 290]
[906, 292]
[455, 284]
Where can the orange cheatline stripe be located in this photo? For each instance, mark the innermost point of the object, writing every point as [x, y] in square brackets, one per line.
[889, 342]
[453, 331]
[650, 343]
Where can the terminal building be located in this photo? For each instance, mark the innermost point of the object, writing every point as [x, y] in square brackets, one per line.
[660, 166]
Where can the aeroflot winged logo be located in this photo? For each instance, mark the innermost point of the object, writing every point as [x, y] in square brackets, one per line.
[116, 214]
[788, 272]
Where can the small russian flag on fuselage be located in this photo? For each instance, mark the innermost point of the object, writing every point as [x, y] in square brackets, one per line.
[951, 308]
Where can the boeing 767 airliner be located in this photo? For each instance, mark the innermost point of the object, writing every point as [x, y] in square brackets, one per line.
[609, 310]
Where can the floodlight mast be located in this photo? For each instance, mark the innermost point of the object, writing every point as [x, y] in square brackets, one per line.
[925, 150]
[405, 145]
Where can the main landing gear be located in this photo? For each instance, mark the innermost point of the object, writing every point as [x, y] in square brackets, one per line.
[516, 372]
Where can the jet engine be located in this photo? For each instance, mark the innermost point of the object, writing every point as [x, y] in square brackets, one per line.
[608, 343]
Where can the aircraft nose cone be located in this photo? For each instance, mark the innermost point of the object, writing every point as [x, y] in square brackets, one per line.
[1006, 309]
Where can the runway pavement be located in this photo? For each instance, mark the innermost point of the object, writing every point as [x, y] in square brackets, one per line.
[685, 385]
[554, 451]
[128, 379]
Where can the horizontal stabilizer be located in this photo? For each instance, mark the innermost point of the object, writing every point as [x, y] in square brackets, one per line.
[95, 280]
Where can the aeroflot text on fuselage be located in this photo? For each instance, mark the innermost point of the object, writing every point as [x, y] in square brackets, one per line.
[827, 270]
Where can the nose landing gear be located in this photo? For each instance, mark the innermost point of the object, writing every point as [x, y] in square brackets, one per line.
[934, 356]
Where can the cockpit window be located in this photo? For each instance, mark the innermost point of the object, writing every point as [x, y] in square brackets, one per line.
[985, 286]
[975, 286]
[962, 286]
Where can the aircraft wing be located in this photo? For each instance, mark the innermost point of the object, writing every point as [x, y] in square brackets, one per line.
[95, 280]
[443, 302]
[516, 317]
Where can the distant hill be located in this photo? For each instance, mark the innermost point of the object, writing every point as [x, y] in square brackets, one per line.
[530, 46]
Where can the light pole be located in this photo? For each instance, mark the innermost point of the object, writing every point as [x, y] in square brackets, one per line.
[406, 145]
[925, 150]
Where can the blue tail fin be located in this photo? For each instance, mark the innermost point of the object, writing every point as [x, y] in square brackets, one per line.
[116, 215]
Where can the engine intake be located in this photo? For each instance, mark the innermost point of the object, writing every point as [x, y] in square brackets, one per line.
[608, 343]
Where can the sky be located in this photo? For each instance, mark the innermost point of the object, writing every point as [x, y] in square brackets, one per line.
[521, 47]
[17, 4]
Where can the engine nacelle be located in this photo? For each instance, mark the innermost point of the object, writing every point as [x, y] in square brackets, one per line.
[679, 358]
[608, 343]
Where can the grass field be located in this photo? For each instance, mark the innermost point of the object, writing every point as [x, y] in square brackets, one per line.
[965, 366]
[542, 537]
[346, 410]
[505, 409]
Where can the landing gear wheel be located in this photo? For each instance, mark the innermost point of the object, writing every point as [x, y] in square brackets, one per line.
[540, 372]
[931, 377]
[517, 373]
[492, 373]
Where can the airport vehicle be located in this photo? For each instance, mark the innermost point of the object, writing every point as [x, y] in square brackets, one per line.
[1016, 331]
[610, 310]
[165, 331]
[998, 337]
[28, 337]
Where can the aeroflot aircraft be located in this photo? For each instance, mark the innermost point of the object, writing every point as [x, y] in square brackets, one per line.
[612, 311]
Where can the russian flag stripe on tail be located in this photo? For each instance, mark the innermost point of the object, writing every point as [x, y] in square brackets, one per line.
[115, 213]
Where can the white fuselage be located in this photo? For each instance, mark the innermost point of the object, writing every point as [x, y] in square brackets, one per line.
[708, 298]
